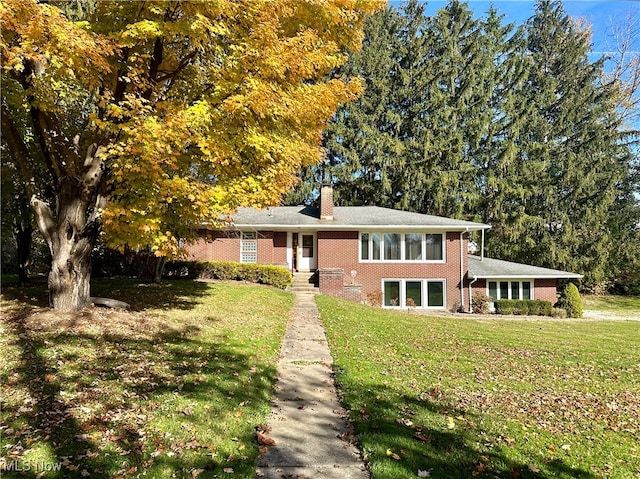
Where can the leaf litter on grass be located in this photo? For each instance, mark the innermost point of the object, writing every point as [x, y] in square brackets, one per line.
[116, 394]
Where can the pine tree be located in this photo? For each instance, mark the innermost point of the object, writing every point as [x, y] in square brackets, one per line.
[569, 157]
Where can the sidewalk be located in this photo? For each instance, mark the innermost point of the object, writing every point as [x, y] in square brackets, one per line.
[311, 433]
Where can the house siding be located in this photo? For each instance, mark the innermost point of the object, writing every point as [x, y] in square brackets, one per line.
[225, 246]
[545, 289]
[215, 246]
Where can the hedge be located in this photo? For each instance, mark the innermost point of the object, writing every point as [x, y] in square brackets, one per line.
[533, 307]
[271, 275]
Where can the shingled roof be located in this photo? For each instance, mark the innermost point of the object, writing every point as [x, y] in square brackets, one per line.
[346, 217]
[489, 268]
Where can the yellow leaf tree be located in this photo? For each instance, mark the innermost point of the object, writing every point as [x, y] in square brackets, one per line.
[144, 119]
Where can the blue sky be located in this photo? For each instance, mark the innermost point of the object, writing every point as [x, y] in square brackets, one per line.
[603, 15]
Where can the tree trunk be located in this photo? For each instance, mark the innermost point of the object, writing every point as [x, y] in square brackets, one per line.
[71, 238]
[70, 275]
[159, 269]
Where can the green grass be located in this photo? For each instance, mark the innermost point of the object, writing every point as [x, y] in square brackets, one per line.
[611, 303]
[460, 397]
[172, 389]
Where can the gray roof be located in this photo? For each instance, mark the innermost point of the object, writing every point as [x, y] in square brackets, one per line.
[345, 217]
[490, 268]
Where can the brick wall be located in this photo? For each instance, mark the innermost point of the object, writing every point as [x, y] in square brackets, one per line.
[339, 249]
[216, 246]
[545, 289]
[225, 246]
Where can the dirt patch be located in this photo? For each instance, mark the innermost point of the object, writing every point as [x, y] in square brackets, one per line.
[91, 321]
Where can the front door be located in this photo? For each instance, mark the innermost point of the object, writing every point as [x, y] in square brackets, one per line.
[307, 258]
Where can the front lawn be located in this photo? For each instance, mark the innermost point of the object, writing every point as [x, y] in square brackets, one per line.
[461, 397]
[173, 389]
[612, 303]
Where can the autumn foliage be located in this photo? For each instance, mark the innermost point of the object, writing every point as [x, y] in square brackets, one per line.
[149, 118]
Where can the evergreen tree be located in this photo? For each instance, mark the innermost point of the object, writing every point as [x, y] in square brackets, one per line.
[475, 119]
[569, 158]
[362, 142]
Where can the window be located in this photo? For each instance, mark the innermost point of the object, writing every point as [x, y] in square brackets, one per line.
[435, 294]
[413, 293]
[392, 246]
[404, 293]
[504, 289]
[248, 258]
[413, 246]
[402, 247]
[249, 247]
[375, 243]
[493, 290]
[364, 246]
[509, 290]
[392, 293]
[434, 247]
[307, 246]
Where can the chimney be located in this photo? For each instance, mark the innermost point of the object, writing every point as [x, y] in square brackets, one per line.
[326, 202]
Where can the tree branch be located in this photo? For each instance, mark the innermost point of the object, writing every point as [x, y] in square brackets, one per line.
[21, 154]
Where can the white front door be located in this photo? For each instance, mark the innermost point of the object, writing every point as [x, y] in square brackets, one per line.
[306, 254]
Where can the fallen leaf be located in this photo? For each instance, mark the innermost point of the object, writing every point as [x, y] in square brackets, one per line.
[263, 440]
[196, 472]
[426, 473]
[450, 423]
[393, 455]
[228, 470]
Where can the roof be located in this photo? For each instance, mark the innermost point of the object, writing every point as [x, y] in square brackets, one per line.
[346, 217]
[489, 268]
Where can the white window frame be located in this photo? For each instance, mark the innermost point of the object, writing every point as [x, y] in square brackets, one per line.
[511, 280]
[402, 247]
[402, 300]
[249, 247]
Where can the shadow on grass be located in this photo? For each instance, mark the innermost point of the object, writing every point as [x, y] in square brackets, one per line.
[100, 403]
[397, 445]
[140, 294]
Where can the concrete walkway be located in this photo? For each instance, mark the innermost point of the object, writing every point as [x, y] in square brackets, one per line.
[312, 436]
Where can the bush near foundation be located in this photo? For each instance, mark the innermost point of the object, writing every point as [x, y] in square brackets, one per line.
[270, 275]
[571, 301]
[532, 307]
[480, 303]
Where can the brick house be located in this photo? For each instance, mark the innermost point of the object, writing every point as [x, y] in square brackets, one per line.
[370, 253]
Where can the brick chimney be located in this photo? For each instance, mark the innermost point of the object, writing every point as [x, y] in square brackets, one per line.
[326, 202]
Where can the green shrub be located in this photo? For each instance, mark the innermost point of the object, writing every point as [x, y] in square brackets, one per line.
[520, 306]
[524, 306]
[571, 301]
[277, 276]
[480, 303]
[535, 307]
[504, 306]
[558, 313]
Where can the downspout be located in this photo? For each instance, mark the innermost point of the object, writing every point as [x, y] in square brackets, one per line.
[471, 295]
[462, 270]
[482, 247]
